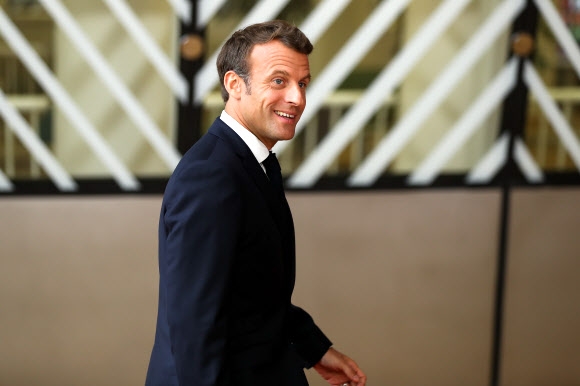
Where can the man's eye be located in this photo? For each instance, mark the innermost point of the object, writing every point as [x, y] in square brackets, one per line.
[302, 84]
[278, 81]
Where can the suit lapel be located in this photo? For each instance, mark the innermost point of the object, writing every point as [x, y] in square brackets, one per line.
[278, 205]
[254, 170]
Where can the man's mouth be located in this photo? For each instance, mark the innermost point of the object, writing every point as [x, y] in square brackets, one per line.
[285, 115]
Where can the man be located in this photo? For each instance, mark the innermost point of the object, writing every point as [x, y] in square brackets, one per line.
[226, 237]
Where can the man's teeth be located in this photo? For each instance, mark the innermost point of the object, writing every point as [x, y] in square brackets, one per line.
[284, 114]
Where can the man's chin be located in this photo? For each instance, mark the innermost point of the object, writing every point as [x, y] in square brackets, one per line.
[288, 135]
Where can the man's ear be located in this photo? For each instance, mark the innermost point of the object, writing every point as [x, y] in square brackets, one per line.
[233, 84]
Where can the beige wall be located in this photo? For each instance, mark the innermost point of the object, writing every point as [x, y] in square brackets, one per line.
[77, 290]
[402, 281]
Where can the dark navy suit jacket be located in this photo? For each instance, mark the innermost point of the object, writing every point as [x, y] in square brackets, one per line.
[227, 272]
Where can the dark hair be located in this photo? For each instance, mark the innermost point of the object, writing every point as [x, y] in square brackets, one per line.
[234, 54]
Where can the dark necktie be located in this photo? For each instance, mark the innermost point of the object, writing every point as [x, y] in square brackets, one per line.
[274, 173]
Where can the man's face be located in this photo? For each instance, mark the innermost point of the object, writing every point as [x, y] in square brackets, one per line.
[271, 105]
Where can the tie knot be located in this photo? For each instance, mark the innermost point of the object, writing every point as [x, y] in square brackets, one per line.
[271, 164]
[274, 172]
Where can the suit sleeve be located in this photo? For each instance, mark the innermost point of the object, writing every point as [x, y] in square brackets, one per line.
[308, 340]
[201, 219]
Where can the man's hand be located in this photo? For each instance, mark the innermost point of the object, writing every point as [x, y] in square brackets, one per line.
[338, 369]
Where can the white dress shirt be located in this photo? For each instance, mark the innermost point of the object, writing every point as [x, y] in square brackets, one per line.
[259, 150]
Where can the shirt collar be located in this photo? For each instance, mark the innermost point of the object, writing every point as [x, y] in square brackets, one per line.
[259, 150]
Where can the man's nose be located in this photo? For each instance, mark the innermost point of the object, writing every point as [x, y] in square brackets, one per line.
[296, 95]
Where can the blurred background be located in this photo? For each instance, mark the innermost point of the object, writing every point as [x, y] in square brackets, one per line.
[434, 181]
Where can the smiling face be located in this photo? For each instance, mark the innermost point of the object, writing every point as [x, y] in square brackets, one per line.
[272, 102]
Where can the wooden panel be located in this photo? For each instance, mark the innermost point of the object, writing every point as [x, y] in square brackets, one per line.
[78, 290]
[542, 343]
[403, 282]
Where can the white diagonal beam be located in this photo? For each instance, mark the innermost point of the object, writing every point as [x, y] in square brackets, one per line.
[494, 93]
[346, 60]
[526, 162]
[380, 90]
[35, 146]
[207, 77]
[118, 89]
[368, 172]
[491, 162]
[558, 121]
[182, 9]
[321, 17]
[206, 10]
[496, 158]
[166, 69]
[5, 184]
[54, 89]
[561, 32]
